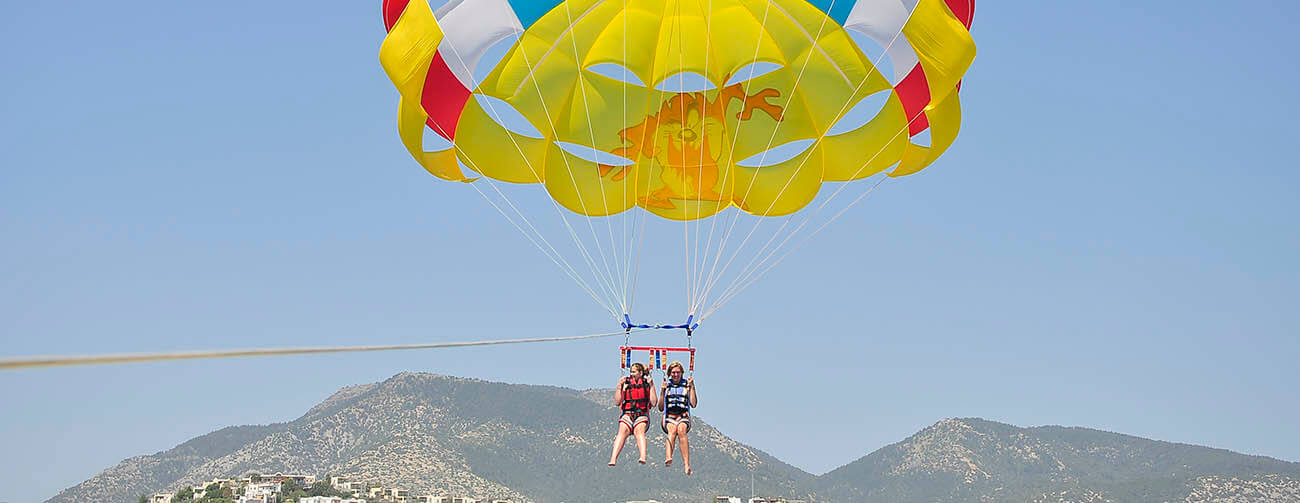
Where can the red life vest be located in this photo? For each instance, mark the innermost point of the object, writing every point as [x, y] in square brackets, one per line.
[636, 395]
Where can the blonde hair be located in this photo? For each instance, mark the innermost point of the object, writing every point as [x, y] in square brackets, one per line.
[639, 367]
[676, 364]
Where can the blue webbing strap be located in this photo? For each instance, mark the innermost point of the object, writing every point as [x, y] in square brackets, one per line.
[688, 326]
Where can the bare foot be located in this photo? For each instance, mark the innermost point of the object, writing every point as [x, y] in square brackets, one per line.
[642, 461]
[611, 463]
[688, 471]
[668, 462]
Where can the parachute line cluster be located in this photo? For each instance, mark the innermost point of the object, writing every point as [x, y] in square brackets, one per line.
[632, 114]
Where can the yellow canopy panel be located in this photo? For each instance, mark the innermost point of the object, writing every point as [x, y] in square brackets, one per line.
[680, 107]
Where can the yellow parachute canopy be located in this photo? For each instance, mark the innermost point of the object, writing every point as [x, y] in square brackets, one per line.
[680, 107]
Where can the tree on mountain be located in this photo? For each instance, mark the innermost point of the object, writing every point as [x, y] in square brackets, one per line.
[216, 493]
[184, 495]
[323, 488]
[290, 489]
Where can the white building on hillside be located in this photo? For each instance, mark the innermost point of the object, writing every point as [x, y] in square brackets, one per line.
[200, 487]
[347, 485]
[268, 492]
[162, 498]
[302, 480]
[329, 499]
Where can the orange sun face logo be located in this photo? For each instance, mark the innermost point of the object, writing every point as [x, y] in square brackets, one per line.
[687, 139]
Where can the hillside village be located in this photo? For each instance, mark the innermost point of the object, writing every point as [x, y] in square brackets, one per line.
[281, 488]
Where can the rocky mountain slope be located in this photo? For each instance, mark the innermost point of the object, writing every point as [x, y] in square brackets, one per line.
[435, 434]
[959, 460]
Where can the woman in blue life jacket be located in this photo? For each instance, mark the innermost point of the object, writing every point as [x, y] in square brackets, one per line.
[678, 398]
[634, 396]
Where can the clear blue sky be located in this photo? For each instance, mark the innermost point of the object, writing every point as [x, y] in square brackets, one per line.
[1111, 243]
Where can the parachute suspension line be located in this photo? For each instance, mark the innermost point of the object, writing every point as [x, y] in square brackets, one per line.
[633, 240]
[605, 279]
[653, 146]
[696, 265]
[590, 263]
[635, 264]
[636, 270]
[827, 201]
[627, 246]
[750, 269]
[809, 216]
[582, 87]
[688, 272]
[727, 295]
[758, 253]
[743, 280]
[747, 269]
[758, 43]
[607, 276]
[741, 247]
[845, 106]
[558, 258]
[566, 267]
[61, 361]
[564, 264]
[815, 40]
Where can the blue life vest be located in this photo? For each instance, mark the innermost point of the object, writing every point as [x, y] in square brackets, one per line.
[677, 398]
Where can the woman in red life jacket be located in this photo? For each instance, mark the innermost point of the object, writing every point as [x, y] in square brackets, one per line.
[634, 396]
[678, 399]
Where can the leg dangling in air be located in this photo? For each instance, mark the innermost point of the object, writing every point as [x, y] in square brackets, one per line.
[670, 427]
[681, 429]
[619, 440]
[640, 440]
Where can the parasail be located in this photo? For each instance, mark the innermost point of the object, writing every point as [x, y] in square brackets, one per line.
[684, 109]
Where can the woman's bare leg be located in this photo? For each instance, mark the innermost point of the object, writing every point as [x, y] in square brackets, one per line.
[668, 448]
[686, 445]
[619, 440]
[640, 440]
